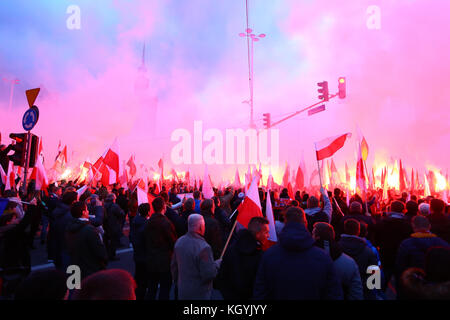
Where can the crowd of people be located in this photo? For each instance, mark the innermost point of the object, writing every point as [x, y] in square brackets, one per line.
[328, 246]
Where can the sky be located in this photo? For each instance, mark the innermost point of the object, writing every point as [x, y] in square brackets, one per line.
[197, 70]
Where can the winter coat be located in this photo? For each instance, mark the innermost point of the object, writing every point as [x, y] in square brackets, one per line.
[114, 216]
[159, 239]
[85, 247]
[237, 272]
[440, 226]
[59, 219]
[390, 231]
[364, 257]
[412, 251]
[294, 269]
[137, 237]
[416, 287]
[213, 233]
[346, 269]
[177, 221]
[193, 267]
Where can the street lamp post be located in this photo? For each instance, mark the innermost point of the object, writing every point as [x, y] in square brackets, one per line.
[13, 82]
[251, 38]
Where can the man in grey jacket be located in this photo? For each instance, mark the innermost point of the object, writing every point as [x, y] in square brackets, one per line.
[193, 266]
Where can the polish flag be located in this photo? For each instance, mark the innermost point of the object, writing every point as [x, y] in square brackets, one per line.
[251, 206]
[111, 158]
[38, 174]
[401, 177]
[132, 166]
[270, 217]
[10, 177]
[237, 180]
[290, 191]
[108, 175]
[300, 179]
[327, 147]
[207, 189]
[81, 191]
[142, 193]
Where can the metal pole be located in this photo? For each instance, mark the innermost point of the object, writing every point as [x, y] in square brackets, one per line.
[27, 160]
[11, 94]
[252, 122]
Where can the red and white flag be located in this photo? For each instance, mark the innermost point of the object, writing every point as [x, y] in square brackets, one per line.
[270, 217]
[142, 193]
[111, 158]
[286, 175]
[38, 174]
[251, 206]
[327, 147]
[360, 176]
[10, 177]
[300, 179]
[132, 166]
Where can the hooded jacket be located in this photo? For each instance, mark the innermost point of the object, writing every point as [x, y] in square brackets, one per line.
[239, 266]
[85, 248]
[294, 269]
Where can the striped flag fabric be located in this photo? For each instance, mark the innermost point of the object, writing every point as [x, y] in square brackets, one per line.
[251, 206]
[327, 147]
[270, 217]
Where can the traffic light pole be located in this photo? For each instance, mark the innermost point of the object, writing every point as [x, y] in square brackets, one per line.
[300, 111]
[27, 162]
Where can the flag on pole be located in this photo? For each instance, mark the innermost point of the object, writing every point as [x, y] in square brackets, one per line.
[270, 217]
[402, 184]
[38, 174]
[327, 147]
[111, 158]
[251, 206]
[335, 178]
[286, 175]
[207, 189]
[360, 175]
[10, 177]
[237, 179]
[300, 179]
[132, 166]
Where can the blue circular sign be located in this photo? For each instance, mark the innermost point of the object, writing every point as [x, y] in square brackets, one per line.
[30, 119]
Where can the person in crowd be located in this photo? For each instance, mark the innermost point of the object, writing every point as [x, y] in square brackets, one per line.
[187, 210]
[112, 284]
[278, 276]
[52, 201]
[83, 243]
[346, 268]
[159, 240]
[221, 216]
[432, 282]
[356, 247]
[193, 266]
[314, 213]
[356, 212]
[59, 219]
[213, 232]
[137, 241]
[412, 251]
[390, 231]
[177, 221]
[197, 195]
[45, 285]
[411, 209]
[440, 223]
[225, 201]
[112, 224]
[424, 209]
[240, 263]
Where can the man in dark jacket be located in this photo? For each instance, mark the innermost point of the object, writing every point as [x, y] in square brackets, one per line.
[240, 263]
[83, 243]
[52, 201]
[357, 248]
[137, 241]
[59, 219]
[112, 224]
[177, 221]
[294, 269]
[159, 240]
[356, 212]
[440, 223]
[412, 251]
[390, 231]
[213, 232]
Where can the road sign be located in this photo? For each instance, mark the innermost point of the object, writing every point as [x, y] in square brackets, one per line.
[30, 118]
[32, 95]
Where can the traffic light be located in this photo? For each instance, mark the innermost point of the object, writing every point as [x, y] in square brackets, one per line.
[33, 150]
[323, 90]
[266, 120]
[20, 149]
[342, 89]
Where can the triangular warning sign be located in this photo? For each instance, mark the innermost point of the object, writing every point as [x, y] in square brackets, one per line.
[32, 95]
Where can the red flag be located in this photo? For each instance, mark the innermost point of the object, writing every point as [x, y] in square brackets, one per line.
[161, 166]
[300, 179]
[251, 206]
[327, 147]
[401, 176]
[112, 157]
[286, 175]
[360, 176]
[290, 192]
[38, 174]
[413, 183]
[132, 166]
[347, 174]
